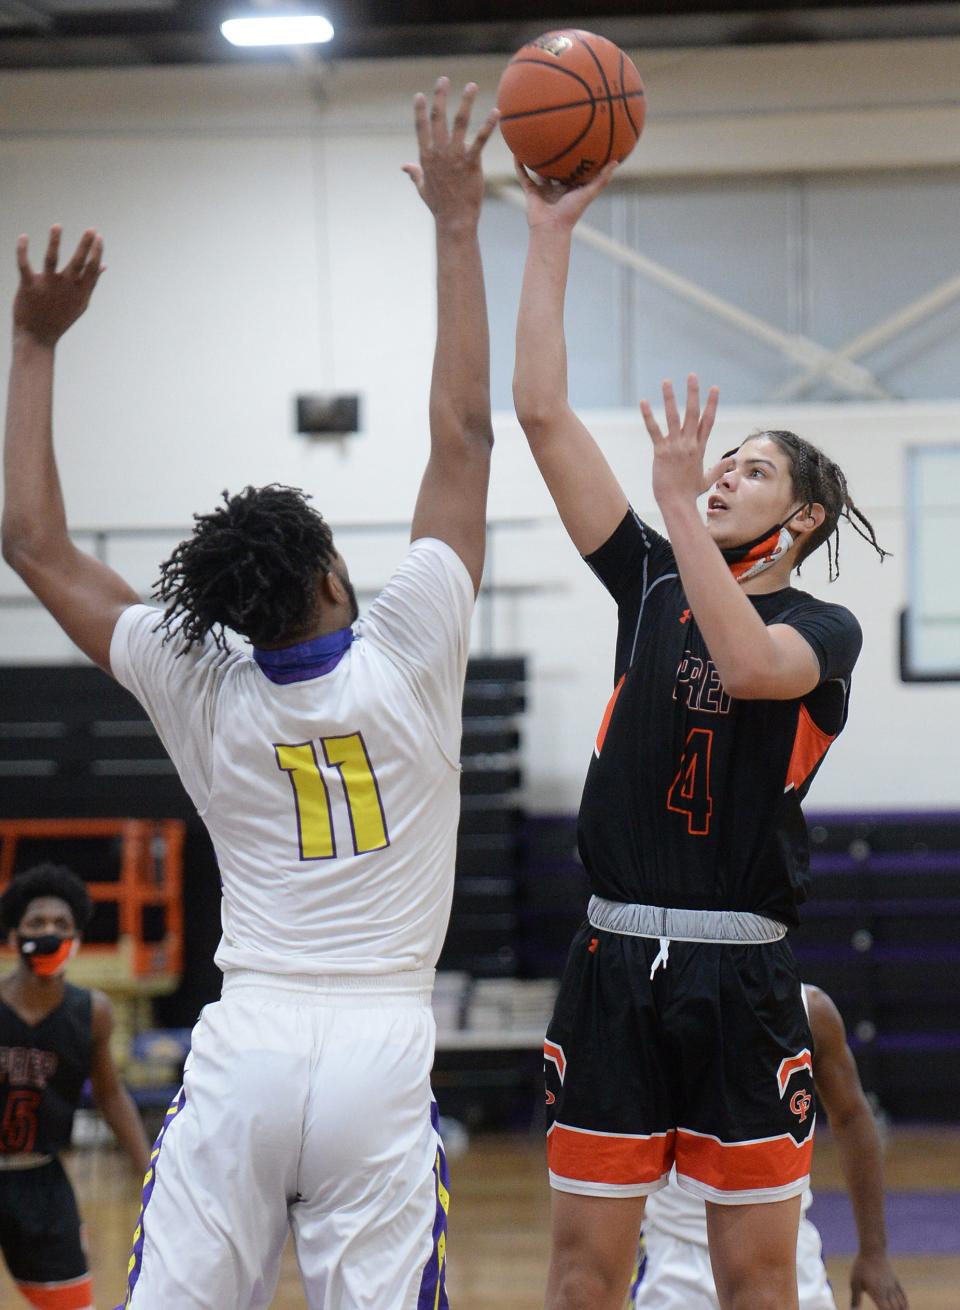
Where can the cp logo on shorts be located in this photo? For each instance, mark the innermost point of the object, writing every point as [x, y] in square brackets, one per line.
[798, 1068]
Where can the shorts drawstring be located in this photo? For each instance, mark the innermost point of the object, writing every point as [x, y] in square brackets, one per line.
[662, 956]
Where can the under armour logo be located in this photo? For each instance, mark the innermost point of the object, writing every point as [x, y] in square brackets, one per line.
[684, 616]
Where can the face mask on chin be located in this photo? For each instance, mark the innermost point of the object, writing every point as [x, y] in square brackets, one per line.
[753, 557]
[47, 955]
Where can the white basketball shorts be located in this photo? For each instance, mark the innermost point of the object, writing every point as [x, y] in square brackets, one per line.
[676, 1275]
[306, 1104]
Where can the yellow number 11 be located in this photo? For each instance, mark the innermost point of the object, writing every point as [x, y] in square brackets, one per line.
[348, 755]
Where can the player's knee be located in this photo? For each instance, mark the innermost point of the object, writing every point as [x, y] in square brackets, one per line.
[585, 1284]
[761, 1288]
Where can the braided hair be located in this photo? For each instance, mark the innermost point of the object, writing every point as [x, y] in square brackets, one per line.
[816, 479]
[250, 565]
[45, 880]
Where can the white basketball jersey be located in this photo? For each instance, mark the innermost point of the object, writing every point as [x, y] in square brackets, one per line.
[332, 802]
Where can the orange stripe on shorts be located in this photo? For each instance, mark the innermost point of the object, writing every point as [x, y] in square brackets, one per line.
[769, 1163]
[77, 1294]
[591, 1157]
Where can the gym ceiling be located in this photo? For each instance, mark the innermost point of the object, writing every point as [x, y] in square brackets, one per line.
[92, 33]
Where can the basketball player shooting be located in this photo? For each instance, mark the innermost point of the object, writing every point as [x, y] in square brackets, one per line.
[325, 765]
[679, 1034]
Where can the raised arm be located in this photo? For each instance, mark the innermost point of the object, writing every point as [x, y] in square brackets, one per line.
[588, 497]
[82, 594]
[452, 503]
[861, 1153]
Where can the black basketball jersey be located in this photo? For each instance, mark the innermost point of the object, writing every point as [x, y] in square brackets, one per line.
[42, 1071]
[692, 799]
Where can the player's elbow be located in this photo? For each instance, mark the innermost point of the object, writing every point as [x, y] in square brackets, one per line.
[15, 544]
[467, 430]
[25, 547]
[539, 416]
[763, 674]
[751, 681]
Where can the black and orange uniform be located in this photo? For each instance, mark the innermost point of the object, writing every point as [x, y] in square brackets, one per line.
[43, 1068]
[693, 1044]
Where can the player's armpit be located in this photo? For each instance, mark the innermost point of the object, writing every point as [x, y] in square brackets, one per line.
[588, 497]
[84, 595]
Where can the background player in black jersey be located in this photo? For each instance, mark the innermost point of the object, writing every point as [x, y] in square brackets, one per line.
[679, 1034]
[53, 1037]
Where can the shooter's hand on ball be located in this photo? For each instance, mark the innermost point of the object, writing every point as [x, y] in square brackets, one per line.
[552, 202]
[678, 471]
[449, 176]
[48, 302]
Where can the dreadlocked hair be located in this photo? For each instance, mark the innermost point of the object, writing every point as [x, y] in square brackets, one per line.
[250, 565]
[816, 479]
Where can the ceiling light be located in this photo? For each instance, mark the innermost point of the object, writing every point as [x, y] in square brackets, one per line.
[276, 29]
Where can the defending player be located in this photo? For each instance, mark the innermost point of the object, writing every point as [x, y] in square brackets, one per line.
[326, 768]
[674, 1269]
[53, 1037]
[679, 1032]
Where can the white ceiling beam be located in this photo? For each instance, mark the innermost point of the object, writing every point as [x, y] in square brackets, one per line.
[851, 377]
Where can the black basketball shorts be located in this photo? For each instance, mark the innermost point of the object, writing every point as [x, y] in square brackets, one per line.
[40, 1236]
[708, 1064]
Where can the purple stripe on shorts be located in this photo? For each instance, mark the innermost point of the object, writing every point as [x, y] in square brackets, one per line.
[136, 1255]
[433, 1284]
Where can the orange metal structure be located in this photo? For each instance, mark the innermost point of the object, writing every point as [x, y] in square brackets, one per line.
[150, 874]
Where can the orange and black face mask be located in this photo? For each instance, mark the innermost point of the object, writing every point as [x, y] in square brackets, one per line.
[47, 955]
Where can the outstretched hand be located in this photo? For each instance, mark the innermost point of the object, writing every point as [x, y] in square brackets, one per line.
[552, 202]
[48, 302]
[449, 176]
[678, 457]
[874, 1276]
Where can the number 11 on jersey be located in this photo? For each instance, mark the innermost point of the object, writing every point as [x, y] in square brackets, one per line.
[348, 755]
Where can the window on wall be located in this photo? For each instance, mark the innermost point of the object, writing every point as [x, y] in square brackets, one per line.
[930, 625]
[809, 268]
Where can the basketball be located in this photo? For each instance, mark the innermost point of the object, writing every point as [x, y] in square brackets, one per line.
[570, 102]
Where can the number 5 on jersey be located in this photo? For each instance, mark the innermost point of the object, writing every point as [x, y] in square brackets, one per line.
[348, 755]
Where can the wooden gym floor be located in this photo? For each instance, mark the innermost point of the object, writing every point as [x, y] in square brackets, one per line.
[499, 1222]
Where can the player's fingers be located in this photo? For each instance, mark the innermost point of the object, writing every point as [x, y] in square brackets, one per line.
[53, 249]
[670, 407]
[596, 184]
[523, 177]
[708, 417]
[74, 265]
[691, 417]
[91, 269]
[438, 112]
[650, 423]
[461, 118]
[484, 132]
[415, 173]
[23, 262]
[421, 121]
[712, 476]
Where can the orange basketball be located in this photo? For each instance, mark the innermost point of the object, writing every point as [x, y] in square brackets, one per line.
[569, 103]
